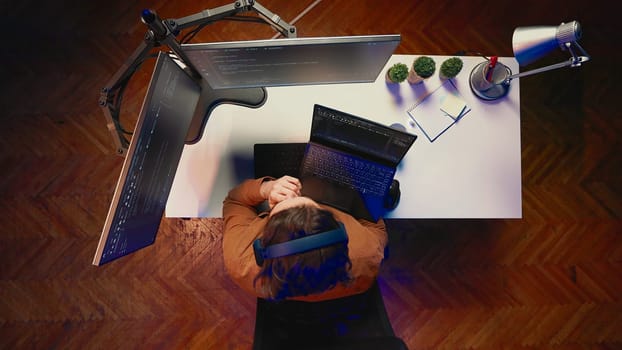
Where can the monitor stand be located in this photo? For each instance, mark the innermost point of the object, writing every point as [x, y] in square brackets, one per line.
[211, 98]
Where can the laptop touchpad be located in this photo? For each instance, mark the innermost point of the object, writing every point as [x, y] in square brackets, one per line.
[328, 193]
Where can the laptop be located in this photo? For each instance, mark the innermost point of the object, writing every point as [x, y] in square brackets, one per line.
[348, 163]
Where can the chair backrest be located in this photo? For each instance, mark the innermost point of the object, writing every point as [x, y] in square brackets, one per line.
[354, 322]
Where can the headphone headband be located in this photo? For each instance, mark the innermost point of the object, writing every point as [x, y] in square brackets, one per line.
[299, 245]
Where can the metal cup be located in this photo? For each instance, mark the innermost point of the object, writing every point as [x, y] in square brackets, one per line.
[490, 85]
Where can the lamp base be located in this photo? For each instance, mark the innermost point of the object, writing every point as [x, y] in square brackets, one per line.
[490, 89]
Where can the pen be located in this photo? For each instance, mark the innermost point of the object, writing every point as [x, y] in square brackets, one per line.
[491, 68]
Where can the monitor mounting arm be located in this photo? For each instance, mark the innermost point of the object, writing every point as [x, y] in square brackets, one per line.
[208, 16]
[164, 32]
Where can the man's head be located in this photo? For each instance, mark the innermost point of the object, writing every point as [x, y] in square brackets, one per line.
[305, 273]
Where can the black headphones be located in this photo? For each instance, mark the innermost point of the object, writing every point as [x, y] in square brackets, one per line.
[299, 245]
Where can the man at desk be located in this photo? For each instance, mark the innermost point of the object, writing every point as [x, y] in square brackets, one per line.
[330, 272]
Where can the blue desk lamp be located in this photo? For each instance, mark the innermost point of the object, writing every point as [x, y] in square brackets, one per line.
[490, 80]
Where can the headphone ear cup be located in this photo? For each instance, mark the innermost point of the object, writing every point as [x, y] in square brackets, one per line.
[259, 252]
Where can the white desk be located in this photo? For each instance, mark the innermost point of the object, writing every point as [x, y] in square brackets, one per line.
[473, 170]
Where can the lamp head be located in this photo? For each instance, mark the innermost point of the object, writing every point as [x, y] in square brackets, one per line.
[532, 43]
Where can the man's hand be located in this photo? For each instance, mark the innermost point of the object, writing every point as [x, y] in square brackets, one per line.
[280, 189]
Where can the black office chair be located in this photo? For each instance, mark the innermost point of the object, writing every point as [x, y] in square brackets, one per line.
[354, 322]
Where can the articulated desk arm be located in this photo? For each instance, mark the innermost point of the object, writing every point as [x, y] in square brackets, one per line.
[110, 97]
[165, 32]
[208, 16]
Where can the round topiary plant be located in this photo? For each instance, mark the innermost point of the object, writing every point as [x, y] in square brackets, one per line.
[397, 73]
[450, 68]
[423, 67]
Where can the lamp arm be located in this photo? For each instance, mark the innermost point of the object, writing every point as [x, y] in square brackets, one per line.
[539, 70]
[577, 60]
[574, 61]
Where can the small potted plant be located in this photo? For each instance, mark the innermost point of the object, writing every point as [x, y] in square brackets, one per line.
[423, 67]
[450, 68]
[397, 73]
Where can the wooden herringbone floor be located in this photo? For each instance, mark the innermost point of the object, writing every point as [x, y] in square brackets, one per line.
[552, 280]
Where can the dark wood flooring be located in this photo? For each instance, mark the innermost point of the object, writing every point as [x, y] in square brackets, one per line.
[552, 280]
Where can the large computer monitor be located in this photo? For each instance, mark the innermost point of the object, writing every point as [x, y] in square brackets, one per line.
[149, 168]
[294, 61]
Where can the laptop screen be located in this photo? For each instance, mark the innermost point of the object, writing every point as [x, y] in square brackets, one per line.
[359, 135]
[151, 162]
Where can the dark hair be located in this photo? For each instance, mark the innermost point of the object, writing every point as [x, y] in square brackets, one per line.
[305, 273]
